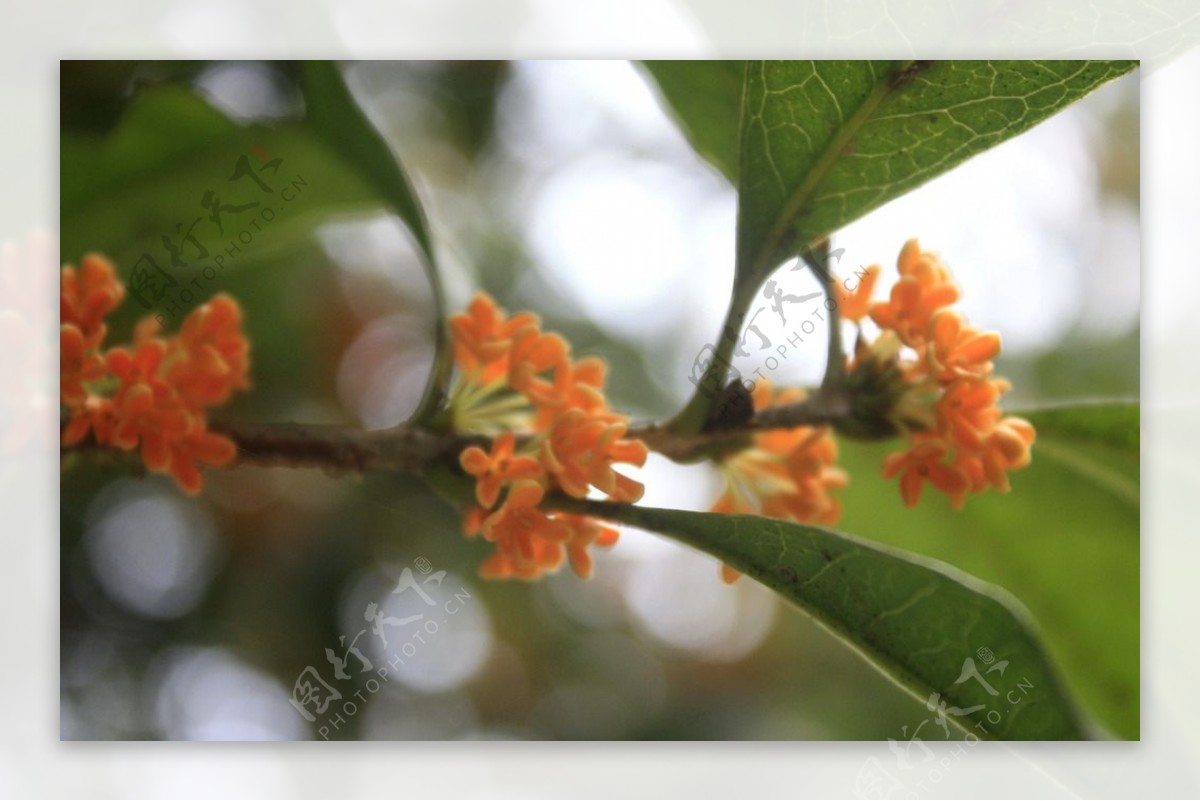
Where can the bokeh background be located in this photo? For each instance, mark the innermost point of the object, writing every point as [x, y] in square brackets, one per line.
[564, 188]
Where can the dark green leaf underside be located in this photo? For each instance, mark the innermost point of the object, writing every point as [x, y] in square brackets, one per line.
[1064, 541]
[335, 118]
[161, 129]
[917, 620]
[706, 100]
[123, 192]
[332, 114]
[116, 203]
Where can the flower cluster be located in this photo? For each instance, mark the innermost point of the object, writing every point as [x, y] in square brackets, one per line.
[946, 394]
[786, 473]
[513, 377]
[154, 393]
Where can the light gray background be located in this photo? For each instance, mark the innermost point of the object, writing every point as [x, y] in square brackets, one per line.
[34, 36]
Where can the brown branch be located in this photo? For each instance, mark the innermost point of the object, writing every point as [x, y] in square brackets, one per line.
[337, 448]
[409, 449]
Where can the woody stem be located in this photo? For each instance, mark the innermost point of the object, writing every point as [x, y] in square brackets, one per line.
[817, 258]
[408, 448]
[693, 418]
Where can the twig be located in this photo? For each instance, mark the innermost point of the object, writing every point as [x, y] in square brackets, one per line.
[410, 449]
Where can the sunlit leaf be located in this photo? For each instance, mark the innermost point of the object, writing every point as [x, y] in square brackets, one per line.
[1098, 441]
[1115, 424]
[824, 142]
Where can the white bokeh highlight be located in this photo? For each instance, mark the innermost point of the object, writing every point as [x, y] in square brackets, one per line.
[152, 553]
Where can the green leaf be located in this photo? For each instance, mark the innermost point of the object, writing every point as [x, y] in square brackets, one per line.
[156, 135]
[706, 99]
[1099, 441]
[123, 192]
[332, 114]
[825, 142]
[336, 119]
[822, 143]
[919, 621]
[128, 192]
[1116, 424]
[1064, 541]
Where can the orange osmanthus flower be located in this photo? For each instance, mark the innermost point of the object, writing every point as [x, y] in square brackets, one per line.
[855, 305]
[966, 412]
[211, 357]
[576, 385]
[924, 461]
[79, 365]
[87, 297]
[787, 474]
[554, 432]
[531, 355]
[925, 286]
[494, 470]
[579, 453]
[947, 380]
[585, 533]
[96, 416]
[152, 416]
[956, 350]
[482, 336]
[1007, 448]
[152, 396]
[198, 446]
